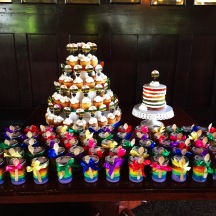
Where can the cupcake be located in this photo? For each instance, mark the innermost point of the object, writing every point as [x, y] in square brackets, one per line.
[84, 61]
[49, 118]
[107, 100]
[72, 60]
[61, 79]
[81, 123]
[111, 118]
[94, 60]
[93, 122]
[68, 81]
[68, 122]
[102, 121]
[78, 82]
[74, 103]
[90, 82]
[99, 79]
[58, 120]
[65, 101]
[86, 103]
[98, 101]
[86, 48]
[117, 114]
[56, 98]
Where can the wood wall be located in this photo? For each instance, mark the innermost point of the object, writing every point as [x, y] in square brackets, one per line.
[133, 40]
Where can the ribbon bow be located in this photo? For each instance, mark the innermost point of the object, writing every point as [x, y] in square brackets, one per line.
[181, 164]
[135, 153]
[111, 167]
[32, 128]
[120, 151]
[199, 143]
[139, 166]
[12, 154]
[64, 169]
[211, 129]
[14, 168]
[144, 129]
[110, 144]
[157, 166]
[91, 164]
[35, 167]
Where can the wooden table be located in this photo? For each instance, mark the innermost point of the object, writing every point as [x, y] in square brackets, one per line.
[102, 193]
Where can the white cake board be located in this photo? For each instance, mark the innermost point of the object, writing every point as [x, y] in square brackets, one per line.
[152, 116]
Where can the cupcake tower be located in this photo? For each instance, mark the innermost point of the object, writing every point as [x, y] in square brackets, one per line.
[82, 86]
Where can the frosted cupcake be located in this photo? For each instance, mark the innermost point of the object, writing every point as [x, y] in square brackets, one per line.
[72, 47]
[94, 60]
[68, 122]
[90, 82]
[102, 121]
[107, 100]
[98, 101]
[74, 103]
[117, 114]
[84, 61]
[61, 79]
[72, 60]
[68, 81]
[65, 101]
[86, 103]
[56, 98]
[78, 82]
[58, 120]
[111, 118]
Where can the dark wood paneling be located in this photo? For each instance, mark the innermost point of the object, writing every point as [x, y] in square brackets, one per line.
[23, 70]
[202, 69]
[144, 66]
[164, 55]
[182, 70]
[9, 88]
[124, 56]
[44, 68]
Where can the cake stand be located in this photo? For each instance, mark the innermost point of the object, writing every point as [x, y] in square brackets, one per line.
[152, 116]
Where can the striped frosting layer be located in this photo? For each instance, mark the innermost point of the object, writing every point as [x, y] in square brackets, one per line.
[43, 175]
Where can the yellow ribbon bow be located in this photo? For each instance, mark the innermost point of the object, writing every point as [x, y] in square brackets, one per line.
[12, 153]
[35, 167]
[110, 144]
[195, 135]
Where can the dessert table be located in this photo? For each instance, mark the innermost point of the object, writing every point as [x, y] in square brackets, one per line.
[103, 194]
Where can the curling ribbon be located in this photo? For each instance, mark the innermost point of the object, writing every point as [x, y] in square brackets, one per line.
[117, 163]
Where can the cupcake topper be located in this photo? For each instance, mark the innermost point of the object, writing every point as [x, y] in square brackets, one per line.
[92, 110]
[74, 89]
[98, 69]
[6, 142]
[86, 49]
[72, 48]
[85, 90]
[89, 69]
[76, 151]
[31, 141]
[93, 47]
[141, 150]
[67, 111]
[57, 86]
[80, 113]
[57, 109]
[77, 69]
[155, 74]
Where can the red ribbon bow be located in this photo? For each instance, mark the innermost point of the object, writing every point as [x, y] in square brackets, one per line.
[139, 166]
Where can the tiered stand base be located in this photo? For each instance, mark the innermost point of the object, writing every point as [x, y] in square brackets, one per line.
[152, 117]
